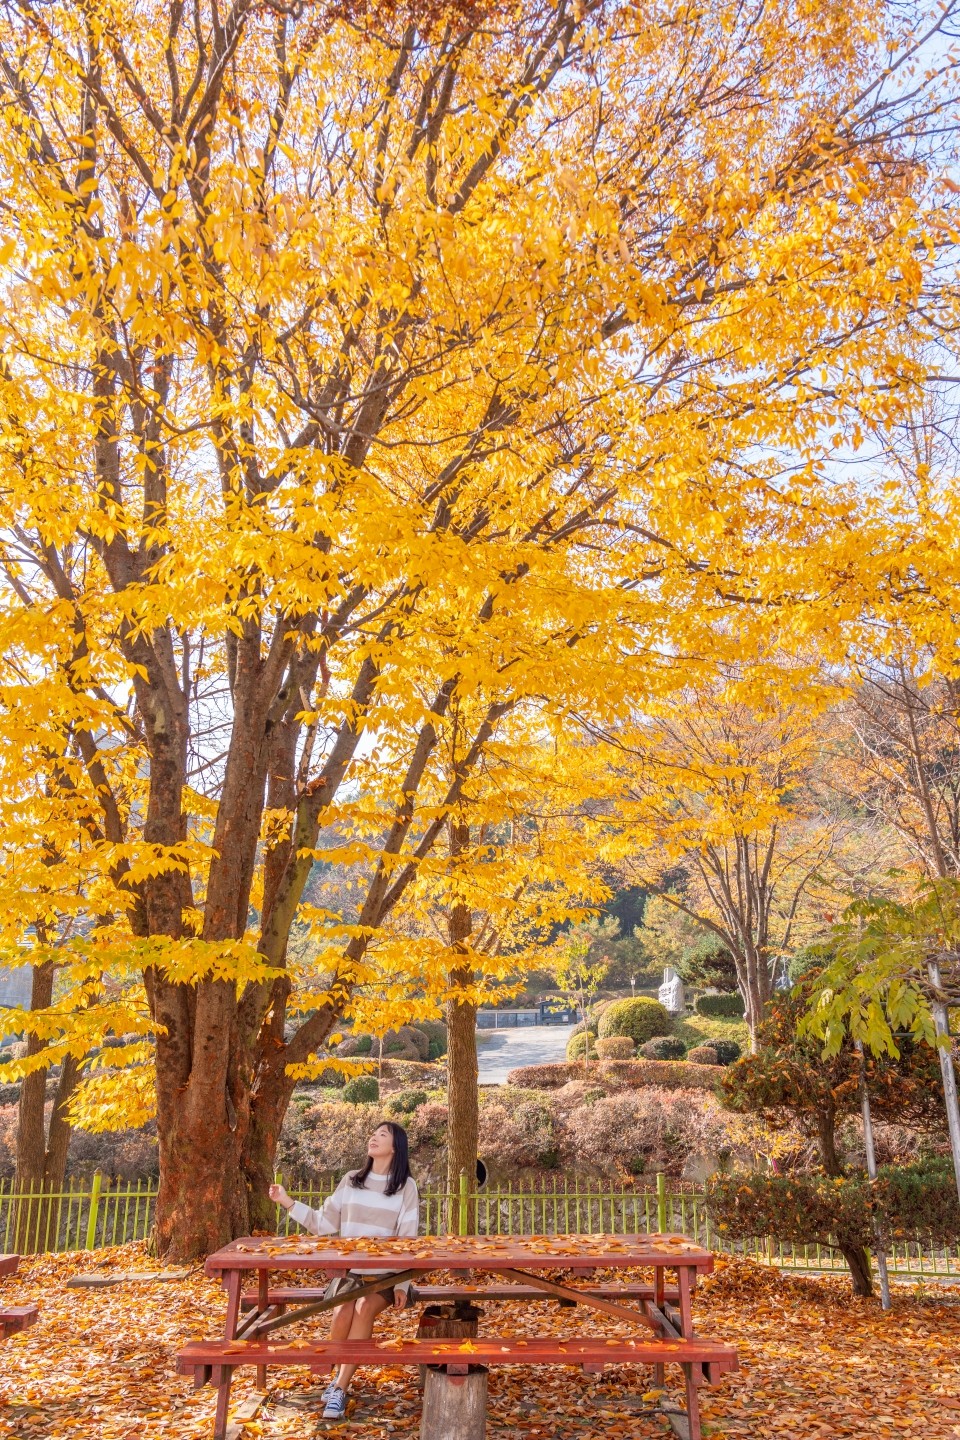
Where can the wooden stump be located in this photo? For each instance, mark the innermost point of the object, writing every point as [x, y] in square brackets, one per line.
[447, 1322]
[454, 1406]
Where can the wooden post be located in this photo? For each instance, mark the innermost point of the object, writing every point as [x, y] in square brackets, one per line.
[94, 1210]
[454, 1406]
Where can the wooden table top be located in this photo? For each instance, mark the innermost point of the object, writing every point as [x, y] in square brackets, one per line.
[451, 1252]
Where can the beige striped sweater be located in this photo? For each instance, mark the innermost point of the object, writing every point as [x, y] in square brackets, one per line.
[369, 1212]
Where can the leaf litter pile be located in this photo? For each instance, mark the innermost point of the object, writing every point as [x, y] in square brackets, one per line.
[814, 1363]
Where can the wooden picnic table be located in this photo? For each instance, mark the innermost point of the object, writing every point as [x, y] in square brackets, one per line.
[659, 1327]
[14, 1318]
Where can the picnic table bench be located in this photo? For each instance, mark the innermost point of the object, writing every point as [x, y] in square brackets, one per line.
[14, 1317]
[660, 1321]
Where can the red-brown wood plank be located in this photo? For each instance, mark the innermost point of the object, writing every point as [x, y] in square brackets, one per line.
[433, 1294]
[484, 1350]
[581, 1252]
[17, 1317]
[9, 1264]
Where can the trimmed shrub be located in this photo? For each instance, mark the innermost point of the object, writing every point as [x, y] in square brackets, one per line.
[400, 1075]
[618, 1047]
[580, 1041]
[618, 1074]
[641, 1019]
[408, 1100]
[728, 1051]
[720, 1007]
[640, 1131]
[436, 1033]
[664, 1047]
[355, 1045]
[362, 1090]
[914, 1202]
[703, 1055]
[404, 1043]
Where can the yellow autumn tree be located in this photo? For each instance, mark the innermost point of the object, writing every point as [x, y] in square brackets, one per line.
[723, 791]
[358, 362]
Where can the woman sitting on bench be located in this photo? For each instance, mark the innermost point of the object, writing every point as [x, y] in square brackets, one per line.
[378, 1201]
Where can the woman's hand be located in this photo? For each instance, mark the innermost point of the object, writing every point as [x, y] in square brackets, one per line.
[400, 1299]
[280, 1196]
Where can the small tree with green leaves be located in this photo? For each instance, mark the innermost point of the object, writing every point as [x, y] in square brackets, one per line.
[791, 1081]
[889, 969]
[577, 975]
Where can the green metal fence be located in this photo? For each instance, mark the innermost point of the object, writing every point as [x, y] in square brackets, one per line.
[91, 1215]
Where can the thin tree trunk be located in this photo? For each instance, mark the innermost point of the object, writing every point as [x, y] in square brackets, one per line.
[42, 1145]
[858, 1263]
[463, 1094]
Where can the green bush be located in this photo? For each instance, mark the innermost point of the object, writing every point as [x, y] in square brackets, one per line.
[362, 1090]
[703, 1055]
[408, 1100]
[580, 1041]
[720, 1007]
[364, 1044]
[436, 1033]
[664, 1047]
[618, 1075]
[727, 1051]
[618, 1047]
[912, 1202]
[641, 1019]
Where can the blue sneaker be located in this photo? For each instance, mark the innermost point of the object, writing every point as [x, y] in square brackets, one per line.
[336, 1406]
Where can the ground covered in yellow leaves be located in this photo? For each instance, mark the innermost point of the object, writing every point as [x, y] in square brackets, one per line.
[815, 1363]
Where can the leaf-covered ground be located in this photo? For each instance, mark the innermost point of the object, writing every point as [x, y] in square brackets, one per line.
[99, 1364]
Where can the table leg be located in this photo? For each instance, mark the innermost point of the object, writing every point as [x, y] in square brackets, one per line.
[659, 1289]
[234, 1287]
[223, 1402]
[693, 1401]
[263, 1302]
[686, 1308]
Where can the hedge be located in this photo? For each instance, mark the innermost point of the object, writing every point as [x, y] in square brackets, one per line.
[721, 1007]
[618, 1047]
[728, 1051]
[703, 1055]
[908, 1201]
[362, 1090]
[620, 1074]
[640, 1018]
[436, 1033]
[578, 1041]
[664, 1047]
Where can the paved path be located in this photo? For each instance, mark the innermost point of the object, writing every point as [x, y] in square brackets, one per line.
[502, 1050]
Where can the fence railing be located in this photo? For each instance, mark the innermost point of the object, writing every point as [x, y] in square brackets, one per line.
[102, 1212]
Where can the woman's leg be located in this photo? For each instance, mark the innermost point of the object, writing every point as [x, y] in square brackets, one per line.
[365, 1312]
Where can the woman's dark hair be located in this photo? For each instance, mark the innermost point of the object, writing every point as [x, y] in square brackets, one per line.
[399, 1172]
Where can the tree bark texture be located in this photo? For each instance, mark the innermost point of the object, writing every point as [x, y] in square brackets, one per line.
[463, 1096]
[42, 1143]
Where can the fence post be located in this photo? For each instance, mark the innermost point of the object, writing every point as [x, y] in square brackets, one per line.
[464, 1205]
[94, 1210]
[661, 1203]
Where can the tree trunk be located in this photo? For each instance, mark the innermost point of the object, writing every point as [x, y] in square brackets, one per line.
[858, 1262]
[41, 1145]
[463, 1094]
[203, 1115]
[202, 1203]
